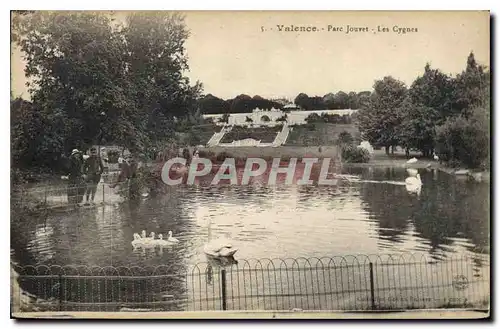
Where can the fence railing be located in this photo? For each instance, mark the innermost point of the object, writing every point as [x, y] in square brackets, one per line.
[338, 283]
[64, 195]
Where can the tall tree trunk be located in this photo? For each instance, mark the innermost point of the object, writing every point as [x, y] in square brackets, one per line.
[387, 150]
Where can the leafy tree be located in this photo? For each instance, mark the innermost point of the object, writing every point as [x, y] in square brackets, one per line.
[302, 100]
[417, 129]
[364, 99]
[76, 63]
[472, 85]
[211, 104]
[105, 81]
[345, 138]
[379, 121]
[156, 61]
[36, 139]
[341, 100]
[329, 100]
[435, 90]
[352, 100]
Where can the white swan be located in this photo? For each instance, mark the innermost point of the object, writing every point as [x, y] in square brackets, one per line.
[414, 180]
[412, 172]
[412, 160]
[414, 184]
[160, 242]
[140, 242]
[436, 157]
[218, 248]
[171, 238]
[137, 242]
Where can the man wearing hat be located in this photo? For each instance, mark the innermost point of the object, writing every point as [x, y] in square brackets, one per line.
[93, 169]
[75, 177]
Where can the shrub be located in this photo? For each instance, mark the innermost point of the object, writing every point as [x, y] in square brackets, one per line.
[206, 154]
[222, 156]
[466, 141]
[353, 154]
[345, 138]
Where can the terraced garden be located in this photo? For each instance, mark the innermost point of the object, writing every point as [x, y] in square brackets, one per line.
[264, 134]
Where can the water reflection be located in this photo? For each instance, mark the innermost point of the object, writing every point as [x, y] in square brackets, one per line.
[375, 214]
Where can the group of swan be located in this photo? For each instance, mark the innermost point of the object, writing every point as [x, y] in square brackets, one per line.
[144, 241]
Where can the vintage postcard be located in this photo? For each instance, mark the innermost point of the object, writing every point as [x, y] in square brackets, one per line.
[250, 164]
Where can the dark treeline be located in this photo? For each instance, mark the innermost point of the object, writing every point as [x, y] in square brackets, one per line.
[340, 100]
[211, 104]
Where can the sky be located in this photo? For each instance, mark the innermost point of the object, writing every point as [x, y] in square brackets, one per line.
[231, 54]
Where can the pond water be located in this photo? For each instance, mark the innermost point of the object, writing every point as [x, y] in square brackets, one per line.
[372, 215]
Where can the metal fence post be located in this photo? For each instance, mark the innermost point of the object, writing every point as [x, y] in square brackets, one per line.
[223, 288]
[372, 290]
[60, 292]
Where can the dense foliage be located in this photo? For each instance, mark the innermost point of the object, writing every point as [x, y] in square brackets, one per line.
[438, 114]
[354, 154]
[94, 80]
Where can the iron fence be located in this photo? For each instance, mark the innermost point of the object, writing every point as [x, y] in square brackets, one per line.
[54, 196]
[336, 283]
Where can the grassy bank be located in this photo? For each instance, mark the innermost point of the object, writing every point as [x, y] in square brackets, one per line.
[319, 134]
[396, 160]
[276, 152]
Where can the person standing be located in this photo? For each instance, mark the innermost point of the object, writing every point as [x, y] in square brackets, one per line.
[75, 177]
[93, 169]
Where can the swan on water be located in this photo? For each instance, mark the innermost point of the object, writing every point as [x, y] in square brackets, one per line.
[137, 240]
[414, 184]
[162, 242]
[414, 180]
[142, 242]
[412, 160]
[219, 247]
[412, 172]
[171, 238]
[436, 157]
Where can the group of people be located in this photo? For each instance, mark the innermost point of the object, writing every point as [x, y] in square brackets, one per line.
[83, 176]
